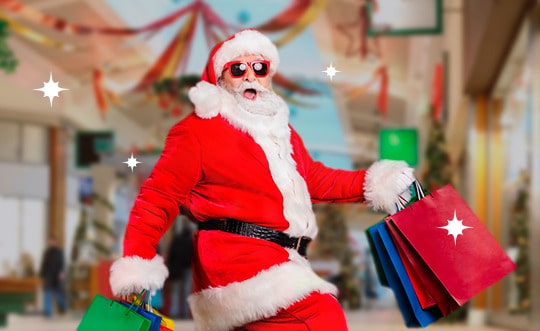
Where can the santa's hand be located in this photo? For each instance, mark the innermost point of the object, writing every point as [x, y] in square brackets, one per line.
[385, 182]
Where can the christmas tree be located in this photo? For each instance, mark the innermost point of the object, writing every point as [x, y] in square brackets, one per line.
[437, 174]
[438, 171]
[519, 238]
[333, 242]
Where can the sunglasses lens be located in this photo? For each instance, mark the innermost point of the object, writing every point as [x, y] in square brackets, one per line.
[238, 69]
[260, 68]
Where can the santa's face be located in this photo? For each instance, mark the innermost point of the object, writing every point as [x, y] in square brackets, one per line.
[247, 78]
[248, 68]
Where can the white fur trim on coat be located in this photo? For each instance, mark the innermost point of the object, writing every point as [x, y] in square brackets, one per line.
[246, 42]
[207, 99]
[262, 296]
[133, 274]
[385, 181]
[272, 134]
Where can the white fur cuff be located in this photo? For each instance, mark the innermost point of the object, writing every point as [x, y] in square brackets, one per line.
[133, 274]
[385, 181]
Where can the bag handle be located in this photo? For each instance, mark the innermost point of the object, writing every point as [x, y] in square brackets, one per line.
[149, 303]
[419, 190]
[139, 297]
[402, 202]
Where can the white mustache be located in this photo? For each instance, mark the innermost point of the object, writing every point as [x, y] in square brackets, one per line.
[253, 85]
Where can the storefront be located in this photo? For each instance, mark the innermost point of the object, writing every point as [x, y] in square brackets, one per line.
[504, 169]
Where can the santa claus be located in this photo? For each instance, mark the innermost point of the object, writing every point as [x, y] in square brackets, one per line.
[239, 170]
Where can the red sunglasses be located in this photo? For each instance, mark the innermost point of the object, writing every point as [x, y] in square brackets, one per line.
[261, 68]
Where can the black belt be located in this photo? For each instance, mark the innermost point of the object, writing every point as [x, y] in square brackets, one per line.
[256, 231]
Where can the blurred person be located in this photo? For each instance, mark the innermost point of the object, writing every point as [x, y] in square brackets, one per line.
[179, 265]
[53, 277]
[240, 171]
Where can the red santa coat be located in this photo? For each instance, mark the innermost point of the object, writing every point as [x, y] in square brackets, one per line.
[222, 162]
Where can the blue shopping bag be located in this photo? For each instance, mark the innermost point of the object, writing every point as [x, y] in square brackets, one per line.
[155, 320]
[397, 278]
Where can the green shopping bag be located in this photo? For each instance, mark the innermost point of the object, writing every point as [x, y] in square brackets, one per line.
[107, 314]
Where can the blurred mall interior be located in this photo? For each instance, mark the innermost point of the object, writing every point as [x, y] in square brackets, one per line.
[450, 86]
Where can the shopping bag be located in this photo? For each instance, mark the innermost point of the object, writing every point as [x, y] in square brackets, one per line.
[155, 320]
[156, 301]
[456, 248]
[428, 288]
[167, 324]
[394, 272]
[376, 260]
[108, 314]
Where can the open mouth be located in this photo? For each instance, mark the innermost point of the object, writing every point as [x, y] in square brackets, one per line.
[250, 94]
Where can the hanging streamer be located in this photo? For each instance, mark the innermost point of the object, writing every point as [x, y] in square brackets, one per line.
[288, 17]
[36, 37]
[172, 54]
[35, 16]
[380, 74]
[289, 85]
[309, 16]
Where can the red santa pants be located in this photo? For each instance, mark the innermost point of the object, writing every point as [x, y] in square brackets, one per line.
[317, 312]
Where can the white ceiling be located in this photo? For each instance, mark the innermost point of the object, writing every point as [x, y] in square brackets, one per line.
[123, 60]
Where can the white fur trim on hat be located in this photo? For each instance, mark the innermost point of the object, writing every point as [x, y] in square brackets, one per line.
[246, 42]
[239, 303]
[385, 180]
[133, 274]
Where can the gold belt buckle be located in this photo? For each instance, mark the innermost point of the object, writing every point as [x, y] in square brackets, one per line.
[299, 241]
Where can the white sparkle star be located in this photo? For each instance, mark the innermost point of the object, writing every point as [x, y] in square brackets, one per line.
[330, 71]
[132, 162]
[50, 89]
[455, 227]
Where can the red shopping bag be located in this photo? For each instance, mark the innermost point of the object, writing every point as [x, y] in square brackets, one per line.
[429, 290]
[457, 255]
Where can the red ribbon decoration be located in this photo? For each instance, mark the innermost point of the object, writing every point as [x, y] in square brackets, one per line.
[288, 17]
[99, 92]
[382, 99]
[437, 92]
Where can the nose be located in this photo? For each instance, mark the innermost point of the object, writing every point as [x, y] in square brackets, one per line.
[250, 75]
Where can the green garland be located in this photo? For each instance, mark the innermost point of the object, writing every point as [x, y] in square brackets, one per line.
[8, 62]
[519, 237]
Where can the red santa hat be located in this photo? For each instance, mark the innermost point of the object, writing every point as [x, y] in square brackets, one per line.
[245, 42]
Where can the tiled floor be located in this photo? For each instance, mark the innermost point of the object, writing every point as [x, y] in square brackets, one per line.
[362, 320]
[379, 315]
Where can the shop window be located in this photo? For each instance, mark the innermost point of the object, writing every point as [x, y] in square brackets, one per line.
[34, 144]
[9, 236]
[10, 138]
[21, 238]
[23, 143]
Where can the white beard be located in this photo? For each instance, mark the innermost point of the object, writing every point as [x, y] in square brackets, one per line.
[267, 102]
